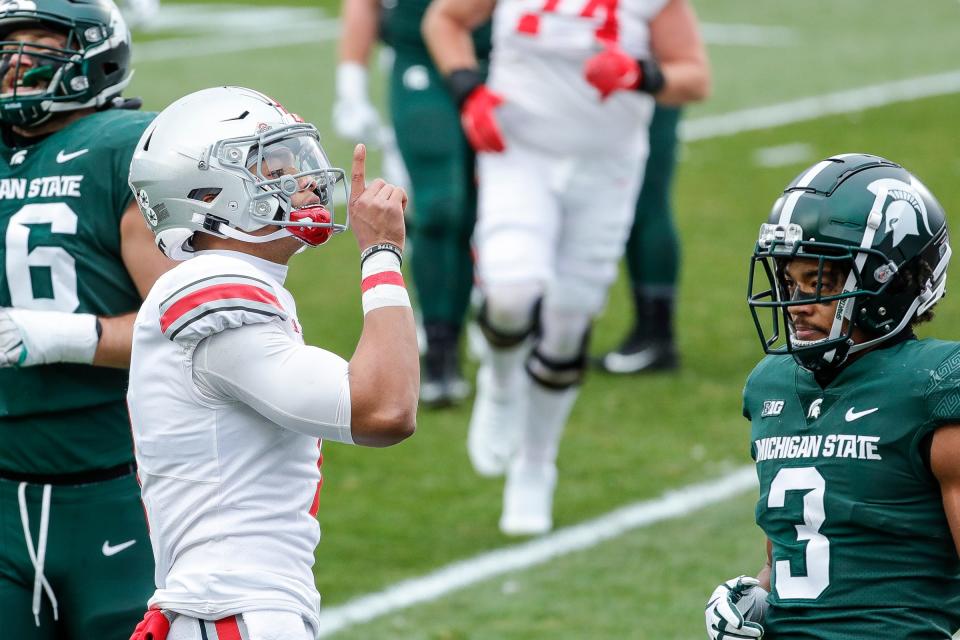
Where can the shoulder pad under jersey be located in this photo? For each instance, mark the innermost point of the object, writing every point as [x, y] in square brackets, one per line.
[211, 304]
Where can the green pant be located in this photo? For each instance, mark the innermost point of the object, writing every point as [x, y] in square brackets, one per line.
[101, 582]
[653, 250]
[441, 167]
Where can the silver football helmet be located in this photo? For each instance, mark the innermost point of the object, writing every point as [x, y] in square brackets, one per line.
[229, 161]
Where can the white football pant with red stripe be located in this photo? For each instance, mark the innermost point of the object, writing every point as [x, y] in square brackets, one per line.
[252, 625]
[227, 405]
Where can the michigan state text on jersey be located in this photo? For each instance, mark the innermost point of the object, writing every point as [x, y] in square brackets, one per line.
[61, 201]
[854, 420]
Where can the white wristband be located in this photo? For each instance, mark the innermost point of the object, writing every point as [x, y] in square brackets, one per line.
[56, 336]
[382, 283]
[352, 82]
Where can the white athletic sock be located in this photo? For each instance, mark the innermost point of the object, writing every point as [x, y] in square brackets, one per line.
[549, 410]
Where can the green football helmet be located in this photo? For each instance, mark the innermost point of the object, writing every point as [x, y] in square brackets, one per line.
[91, 68]
[872, 222]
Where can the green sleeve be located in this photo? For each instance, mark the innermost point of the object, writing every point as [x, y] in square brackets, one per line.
[942, 393]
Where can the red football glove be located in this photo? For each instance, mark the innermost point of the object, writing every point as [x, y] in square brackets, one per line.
[612, 70]
[478, 120]
[154, 626]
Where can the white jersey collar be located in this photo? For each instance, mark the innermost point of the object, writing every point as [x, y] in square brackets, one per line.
[276, 271]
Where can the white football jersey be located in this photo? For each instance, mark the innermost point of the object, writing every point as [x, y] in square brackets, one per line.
[230, 495]
[540, 48]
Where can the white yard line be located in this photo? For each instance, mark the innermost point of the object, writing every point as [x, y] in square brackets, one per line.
[783, 155]
[195, 47]
[814, 107]
[747, 35]
[459, 575]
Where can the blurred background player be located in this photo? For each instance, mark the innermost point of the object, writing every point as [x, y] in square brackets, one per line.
[653, 259]
[562, 135]
[440, 163]
[76, 259]
[227, 402]
[138, 14]
[861, 509]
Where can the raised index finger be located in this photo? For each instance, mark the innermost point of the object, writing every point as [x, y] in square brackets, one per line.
[357, 179]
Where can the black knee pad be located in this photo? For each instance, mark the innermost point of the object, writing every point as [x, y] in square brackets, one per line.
[558, 374]
[499, 339]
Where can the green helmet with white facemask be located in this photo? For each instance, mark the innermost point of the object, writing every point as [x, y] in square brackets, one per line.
[92, 67]
[871, 221]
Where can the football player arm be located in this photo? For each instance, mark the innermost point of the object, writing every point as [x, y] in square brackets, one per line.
[678, 48]
[145, 263]
[31, 337]
[764, 575]
[945, 465]
[385, 368]
[354, 116]
[301, 388]
[447, 28]
[359, 19]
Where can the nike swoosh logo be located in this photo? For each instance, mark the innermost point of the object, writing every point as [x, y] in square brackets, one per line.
[115, 549]
[856, 415]
[67, 157]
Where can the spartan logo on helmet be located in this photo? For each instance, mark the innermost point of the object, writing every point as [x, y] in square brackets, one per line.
[901, 206]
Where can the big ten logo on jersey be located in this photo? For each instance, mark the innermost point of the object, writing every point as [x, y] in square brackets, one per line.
[772, 408]
[46, 187]
[575, 23]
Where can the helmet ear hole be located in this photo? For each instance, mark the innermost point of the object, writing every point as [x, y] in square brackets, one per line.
[204, 194]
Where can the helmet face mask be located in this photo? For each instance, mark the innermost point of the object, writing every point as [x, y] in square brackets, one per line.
[277, 165]
[92, 66]
[874, 244]
[228, 162]
[834, 281]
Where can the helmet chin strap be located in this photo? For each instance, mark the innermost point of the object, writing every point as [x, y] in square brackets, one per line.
[243, 236]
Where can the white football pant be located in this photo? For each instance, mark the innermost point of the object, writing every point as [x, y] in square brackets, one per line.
[250, 625]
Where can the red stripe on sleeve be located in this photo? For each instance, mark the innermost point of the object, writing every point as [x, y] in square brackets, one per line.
[315, 506]
[227, 629]
[216, 292]
[384, 277]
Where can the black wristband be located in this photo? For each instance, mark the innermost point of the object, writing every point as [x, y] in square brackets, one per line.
[377, 248]
[99, 327]
[461, 83]
[651, 77]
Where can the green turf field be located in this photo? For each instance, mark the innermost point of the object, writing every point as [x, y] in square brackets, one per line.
[401, 512]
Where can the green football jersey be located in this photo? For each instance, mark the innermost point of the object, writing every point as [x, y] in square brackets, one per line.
[861, 545]
[61, 200]
[400, 28]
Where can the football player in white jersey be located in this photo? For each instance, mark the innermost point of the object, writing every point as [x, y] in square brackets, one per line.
[228, 405]
[561, 128]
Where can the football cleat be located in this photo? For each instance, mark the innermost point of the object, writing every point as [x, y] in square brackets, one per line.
[499, 416]
[640, 356]
[441, 383]
[528, 499]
